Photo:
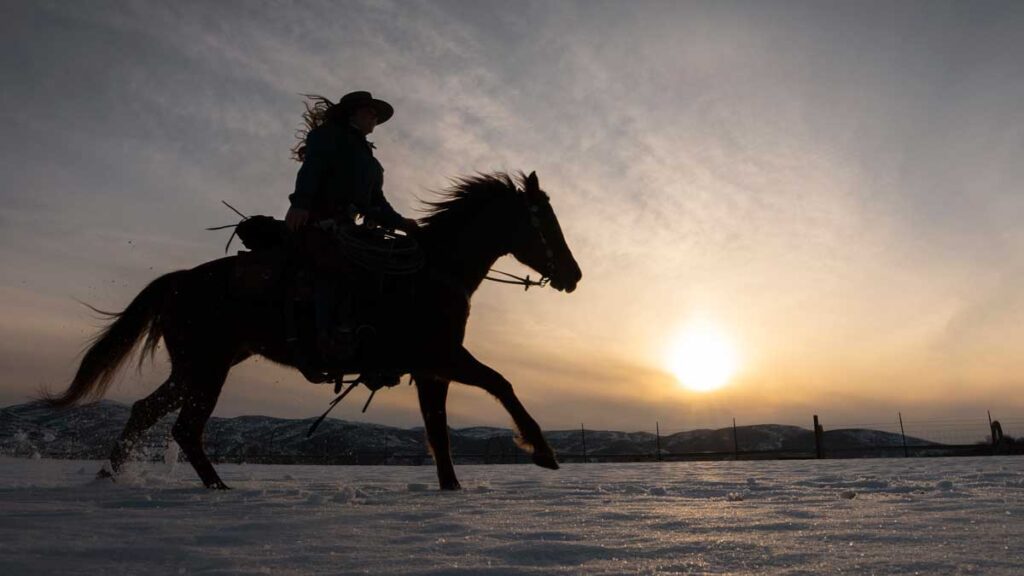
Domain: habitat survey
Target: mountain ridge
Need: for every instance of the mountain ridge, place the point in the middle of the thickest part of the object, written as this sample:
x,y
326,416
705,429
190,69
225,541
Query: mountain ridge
x,y
88,432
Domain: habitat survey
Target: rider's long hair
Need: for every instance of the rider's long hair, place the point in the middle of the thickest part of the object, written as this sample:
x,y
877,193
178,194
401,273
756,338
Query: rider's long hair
x,y
319,111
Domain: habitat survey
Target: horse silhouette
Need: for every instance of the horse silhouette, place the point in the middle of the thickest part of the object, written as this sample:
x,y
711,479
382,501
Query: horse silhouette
x,y
207,328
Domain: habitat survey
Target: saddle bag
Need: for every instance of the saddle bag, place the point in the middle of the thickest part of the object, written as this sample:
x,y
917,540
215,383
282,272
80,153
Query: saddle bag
x,y
260,233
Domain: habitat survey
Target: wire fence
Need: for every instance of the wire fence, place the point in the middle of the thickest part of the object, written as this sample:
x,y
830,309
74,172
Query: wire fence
x,y
898,437
276,441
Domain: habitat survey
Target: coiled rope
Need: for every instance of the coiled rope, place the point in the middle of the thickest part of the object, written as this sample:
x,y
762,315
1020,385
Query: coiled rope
x,y
377,249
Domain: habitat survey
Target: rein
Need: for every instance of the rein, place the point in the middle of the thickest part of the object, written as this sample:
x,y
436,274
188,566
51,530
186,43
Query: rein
x,y
526,282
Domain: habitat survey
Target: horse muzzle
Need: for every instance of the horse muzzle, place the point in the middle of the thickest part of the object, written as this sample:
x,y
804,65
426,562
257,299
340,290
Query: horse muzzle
x,y
566,282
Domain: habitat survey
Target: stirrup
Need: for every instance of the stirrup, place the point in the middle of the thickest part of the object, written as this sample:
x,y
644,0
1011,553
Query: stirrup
x,y
313,368
378,379
312,372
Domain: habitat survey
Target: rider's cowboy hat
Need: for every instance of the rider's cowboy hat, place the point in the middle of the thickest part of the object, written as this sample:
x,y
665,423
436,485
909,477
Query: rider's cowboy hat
x,y
353,101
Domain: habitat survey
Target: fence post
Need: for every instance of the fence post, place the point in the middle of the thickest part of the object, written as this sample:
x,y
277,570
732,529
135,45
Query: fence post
x,y
735,441
819,433
906,453
657,439
271,456
997,432
992,429
583,435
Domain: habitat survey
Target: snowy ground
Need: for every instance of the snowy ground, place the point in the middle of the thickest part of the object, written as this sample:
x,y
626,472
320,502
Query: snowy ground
x,y
927,516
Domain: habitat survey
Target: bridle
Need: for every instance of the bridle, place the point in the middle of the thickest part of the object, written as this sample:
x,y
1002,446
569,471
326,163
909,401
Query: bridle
x,y
527,282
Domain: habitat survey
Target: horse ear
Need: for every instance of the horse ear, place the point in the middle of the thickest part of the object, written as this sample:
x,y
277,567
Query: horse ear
x,y
531,182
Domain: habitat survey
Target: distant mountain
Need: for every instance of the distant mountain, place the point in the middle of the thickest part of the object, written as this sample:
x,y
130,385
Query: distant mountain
x,y
88,432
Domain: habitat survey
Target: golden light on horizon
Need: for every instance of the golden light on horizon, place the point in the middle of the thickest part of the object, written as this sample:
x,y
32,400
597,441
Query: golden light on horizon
x,y
702,358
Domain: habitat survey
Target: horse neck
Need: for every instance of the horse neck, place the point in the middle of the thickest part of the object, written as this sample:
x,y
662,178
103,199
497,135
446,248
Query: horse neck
x,y
465,256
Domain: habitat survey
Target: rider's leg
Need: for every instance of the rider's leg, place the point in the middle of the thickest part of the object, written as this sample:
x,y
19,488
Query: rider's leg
x,y
332,300
323,300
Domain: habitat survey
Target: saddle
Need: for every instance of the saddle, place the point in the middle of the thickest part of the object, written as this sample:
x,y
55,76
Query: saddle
x,y
280,268
278,262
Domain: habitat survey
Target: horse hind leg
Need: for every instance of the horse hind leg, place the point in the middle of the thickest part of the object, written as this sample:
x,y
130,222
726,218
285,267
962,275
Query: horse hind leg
x,y
145,413
197,406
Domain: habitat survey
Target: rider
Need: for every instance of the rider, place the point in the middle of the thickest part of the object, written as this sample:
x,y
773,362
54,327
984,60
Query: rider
x,y
339,180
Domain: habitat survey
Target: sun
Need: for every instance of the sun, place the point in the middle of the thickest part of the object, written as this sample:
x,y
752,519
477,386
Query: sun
x,y
702,358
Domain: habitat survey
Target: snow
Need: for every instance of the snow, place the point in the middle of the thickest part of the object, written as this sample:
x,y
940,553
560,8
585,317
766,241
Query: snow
x,y
884,516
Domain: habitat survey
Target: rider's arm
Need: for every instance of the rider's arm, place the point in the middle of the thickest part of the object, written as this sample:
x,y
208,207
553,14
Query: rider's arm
x,y
380,211
363,179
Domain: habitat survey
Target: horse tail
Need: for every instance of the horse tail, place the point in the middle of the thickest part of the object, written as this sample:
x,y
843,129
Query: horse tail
x,y
110,348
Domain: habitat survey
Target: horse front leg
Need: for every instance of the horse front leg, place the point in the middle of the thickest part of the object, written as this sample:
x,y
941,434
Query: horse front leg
x,y
468,370
433,393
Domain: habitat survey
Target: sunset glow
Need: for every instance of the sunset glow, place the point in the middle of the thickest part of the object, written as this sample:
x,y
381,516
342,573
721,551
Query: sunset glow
x,y
702,358
815,207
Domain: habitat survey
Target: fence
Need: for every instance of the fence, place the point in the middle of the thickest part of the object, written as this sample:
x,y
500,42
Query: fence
x,y
897,437
274,441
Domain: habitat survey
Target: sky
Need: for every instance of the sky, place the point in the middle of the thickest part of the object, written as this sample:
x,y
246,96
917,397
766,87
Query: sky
x,y
833,186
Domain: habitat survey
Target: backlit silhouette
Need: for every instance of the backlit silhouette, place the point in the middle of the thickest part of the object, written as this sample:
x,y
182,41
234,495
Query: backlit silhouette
x,y
209,323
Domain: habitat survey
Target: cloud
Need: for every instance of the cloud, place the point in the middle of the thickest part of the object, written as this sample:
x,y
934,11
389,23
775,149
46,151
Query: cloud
x,y
829,183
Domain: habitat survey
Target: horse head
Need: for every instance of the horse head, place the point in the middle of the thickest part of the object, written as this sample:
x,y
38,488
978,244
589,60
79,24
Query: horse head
x,y
538,241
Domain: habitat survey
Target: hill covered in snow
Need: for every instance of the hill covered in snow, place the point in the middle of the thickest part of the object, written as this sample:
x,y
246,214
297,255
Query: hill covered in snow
x,y
88,432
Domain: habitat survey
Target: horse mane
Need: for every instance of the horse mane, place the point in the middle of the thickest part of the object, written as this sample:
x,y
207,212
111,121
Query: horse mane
x,y
466,196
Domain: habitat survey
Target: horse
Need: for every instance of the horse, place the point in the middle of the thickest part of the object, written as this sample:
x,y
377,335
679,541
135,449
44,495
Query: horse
x,y
207,327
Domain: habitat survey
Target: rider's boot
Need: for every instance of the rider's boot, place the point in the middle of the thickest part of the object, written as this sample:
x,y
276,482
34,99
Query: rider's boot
x,y
380,377
308,362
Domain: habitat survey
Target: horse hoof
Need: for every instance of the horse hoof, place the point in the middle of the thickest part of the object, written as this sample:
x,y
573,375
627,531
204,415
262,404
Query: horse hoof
x,y
218,485
545,460
105,474
453,485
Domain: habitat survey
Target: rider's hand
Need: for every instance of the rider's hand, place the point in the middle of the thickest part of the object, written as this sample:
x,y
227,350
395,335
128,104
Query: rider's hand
x,y
409,226
296,218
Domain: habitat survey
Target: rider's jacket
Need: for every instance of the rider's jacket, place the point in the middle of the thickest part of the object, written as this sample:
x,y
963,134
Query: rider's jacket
x,y
339,176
